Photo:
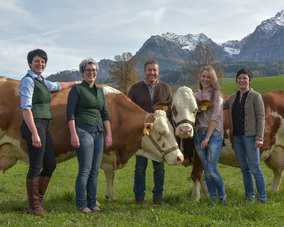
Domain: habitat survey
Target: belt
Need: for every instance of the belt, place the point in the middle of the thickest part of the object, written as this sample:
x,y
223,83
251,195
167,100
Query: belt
x,y
40,120
202,128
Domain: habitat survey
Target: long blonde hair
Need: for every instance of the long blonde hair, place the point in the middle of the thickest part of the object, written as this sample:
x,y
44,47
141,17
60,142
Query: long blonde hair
x,y
214,81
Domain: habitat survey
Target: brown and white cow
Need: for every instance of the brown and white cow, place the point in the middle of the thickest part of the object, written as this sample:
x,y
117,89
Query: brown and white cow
x,y
184,107
272,151
130,125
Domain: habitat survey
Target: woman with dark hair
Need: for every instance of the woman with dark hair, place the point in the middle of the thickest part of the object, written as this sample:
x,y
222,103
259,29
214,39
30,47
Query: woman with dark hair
x,y
35,105
87,117
209,136
247,121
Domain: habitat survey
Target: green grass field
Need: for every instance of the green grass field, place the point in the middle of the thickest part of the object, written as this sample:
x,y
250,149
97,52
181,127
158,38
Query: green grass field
x,y
179,211
261,85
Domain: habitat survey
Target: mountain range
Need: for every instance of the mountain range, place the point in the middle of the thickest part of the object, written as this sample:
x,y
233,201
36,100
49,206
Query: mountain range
x,y
266,43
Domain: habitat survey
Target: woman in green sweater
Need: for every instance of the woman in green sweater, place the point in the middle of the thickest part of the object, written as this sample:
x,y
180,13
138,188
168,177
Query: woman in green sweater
x,y
87,117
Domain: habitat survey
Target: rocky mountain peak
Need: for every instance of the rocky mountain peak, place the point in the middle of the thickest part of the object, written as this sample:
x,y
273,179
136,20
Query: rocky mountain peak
x,y
270,26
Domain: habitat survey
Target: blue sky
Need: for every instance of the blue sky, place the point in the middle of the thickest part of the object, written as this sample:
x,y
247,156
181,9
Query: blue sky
x,y
71,30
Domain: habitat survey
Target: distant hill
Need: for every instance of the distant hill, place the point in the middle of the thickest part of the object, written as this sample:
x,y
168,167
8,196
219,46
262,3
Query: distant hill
x,y
71,75
66,75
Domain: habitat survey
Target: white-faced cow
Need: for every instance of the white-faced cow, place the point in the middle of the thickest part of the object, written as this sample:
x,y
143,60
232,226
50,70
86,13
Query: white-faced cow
x,y
272,151
184,107
130,125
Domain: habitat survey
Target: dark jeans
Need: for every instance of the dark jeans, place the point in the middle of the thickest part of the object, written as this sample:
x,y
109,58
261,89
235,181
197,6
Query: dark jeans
x,y
42,157
140,178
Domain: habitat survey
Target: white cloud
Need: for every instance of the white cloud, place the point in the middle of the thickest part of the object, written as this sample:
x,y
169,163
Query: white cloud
x,y
70,30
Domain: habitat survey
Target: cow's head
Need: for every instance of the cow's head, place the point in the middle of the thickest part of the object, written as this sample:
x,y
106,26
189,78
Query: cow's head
x,y
159,143
184,107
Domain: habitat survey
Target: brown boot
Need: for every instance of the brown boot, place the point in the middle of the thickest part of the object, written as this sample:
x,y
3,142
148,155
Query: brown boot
x,y
159,201
43,183
33,190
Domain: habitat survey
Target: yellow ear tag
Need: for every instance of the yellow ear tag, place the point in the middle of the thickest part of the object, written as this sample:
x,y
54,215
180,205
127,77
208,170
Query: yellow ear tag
x,y
165,108
147,131
203,108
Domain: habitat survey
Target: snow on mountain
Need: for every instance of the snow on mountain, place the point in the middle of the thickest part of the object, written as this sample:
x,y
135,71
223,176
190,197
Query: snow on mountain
x,y
232,47
232,51
265,43
270,26
187,42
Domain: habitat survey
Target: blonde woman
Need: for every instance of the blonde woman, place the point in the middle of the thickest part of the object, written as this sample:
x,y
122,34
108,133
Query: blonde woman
x,y
209,136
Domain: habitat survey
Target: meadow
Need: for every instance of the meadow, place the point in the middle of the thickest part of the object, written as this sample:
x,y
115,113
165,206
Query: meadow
x,y
261,84
179,211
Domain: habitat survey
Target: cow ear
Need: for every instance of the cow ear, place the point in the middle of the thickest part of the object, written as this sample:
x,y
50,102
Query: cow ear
x,y
147,128
162,105
204,105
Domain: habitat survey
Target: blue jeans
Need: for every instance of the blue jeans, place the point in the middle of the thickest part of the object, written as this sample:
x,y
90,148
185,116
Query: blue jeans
x,y
213,178
89,156
249,160
140,178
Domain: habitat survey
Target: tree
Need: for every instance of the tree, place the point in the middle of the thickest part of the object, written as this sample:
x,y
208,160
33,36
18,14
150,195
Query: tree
x,y
203,55
124,72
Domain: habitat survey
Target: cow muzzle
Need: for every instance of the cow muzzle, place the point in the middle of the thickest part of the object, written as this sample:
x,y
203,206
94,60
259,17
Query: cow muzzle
x,y
165,152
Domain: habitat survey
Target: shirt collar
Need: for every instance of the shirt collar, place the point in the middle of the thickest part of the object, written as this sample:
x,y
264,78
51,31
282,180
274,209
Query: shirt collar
x,y
33,75
238,92
149,85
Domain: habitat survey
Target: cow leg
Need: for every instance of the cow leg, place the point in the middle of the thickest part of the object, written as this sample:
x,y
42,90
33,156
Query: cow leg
x,y
204,187
277,178
197,177
196,188
8,157
110,195
109,165
276,163
196,191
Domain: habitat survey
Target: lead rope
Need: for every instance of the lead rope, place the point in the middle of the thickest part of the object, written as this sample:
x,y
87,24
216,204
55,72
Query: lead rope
x,y
163,152
208,146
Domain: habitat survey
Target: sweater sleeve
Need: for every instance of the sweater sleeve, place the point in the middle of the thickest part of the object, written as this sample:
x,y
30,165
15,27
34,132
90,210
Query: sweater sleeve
x,y
260,117
104,111
72,102
131,94
218,108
